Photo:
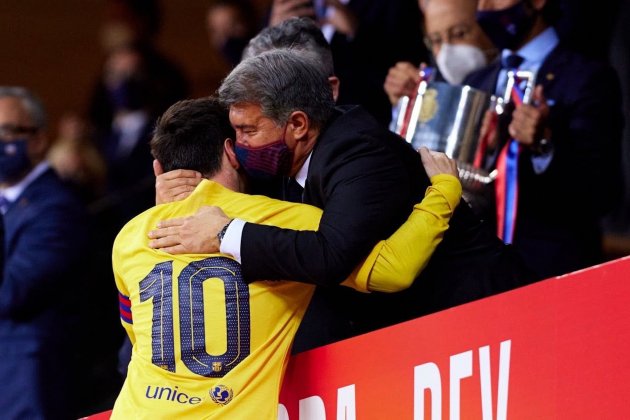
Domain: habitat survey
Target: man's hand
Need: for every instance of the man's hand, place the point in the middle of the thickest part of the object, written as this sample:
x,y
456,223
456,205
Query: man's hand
x,y
488,132
190,235
436,163
174,185
401,81
529,122
282,10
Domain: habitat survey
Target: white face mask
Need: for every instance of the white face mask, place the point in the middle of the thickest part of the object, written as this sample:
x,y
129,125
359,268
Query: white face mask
x,y
456,61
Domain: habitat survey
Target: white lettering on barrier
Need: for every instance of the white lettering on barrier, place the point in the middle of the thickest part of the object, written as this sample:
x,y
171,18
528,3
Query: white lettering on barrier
x,y
427,377
486,382
283,413
461,367
312,408
346,409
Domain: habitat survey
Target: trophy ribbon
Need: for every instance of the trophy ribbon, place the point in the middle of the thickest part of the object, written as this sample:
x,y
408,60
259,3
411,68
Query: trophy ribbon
x,y
506,184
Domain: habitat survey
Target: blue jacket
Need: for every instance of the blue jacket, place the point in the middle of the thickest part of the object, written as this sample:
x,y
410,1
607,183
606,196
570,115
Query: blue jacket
x,y
44,243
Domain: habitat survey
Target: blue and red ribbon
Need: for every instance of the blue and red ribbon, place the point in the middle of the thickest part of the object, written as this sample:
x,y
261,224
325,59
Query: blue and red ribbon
x,y
506,185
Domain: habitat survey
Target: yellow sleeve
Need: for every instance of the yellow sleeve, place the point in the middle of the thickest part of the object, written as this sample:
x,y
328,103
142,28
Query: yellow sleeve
x,y
394,263
122,287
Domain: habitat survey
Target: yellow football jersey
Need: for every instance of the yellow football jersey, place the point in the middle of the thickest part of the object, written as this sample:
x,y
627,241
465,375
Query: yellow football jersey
x,y
205,344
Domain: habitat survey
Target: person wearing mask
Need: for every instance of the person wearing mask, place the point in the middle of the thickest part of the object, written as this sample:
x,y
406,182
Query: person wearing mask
x,y
365,180
457,43
254,324
561,147
44,246
304,35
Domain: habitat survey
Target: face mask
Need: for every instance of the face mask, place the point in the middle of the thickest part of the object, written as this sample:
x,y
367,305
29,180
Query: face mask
x,y
14,160
456,61
507,28
266,162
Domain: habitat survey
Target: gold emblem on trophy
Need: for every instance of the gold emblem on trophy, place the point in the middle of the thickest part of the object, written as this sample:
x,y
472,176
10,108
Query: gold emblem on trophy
x,y
429,106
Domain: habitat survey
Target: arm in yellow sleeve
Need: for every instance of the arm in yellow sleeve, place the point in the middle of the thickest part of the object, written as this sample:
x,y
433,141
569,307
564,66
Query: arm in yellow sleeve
x,y
120,285
394,263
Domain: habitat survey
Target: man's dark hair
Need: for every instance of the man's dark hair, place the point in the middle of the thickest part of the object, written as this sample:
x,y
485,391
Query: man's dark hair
x,y
191,134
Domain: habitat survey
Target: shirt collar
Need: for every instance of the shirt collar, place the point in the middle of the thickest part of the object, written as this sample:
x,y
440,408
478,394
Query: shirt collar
x,y
536,50
13,192
130,121
300,177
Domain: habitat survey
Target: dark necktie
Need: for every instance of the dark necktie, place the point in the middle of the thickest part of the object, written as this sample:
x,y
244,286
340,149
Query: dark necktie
x,y
293,191
512,61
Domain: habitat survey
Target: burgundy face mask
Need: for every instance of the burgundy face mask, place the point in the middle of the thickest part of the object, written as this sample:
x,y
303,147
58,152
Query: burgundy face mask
x,y
266,162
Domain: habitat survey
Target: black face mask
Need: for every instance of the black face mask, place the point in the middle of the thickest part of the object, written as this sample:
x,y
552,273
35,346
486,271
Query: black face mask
x,y
14,160
507,28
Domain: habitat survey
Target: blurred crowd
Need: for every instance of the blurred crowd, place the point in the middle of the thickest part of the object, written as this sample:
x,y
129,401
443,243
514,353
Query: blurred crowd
x,y
573,204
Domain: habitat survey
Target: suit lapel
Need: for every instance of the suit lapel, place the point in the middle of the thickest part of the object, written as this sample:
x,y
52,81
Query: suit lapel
x,y
547,73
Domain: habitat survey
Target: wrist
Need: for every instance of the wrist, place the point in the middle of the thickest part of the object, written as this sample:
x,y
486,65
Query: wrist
x,y
221,233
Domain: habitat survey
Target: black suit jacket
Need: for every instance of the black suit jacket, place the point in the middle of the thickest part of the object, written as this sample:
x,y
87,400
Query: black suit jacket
x,y
555,233
366,190
367,179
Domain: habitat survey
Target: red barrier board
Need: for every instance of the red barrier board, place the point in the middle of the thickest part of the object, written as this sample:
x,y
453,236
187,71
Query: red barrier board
x,y
557,349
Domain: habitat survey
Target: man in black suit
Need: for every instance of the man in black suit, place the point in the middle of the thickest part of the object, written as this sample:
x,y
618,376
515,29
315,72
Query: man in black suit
x,y
569,136
364,177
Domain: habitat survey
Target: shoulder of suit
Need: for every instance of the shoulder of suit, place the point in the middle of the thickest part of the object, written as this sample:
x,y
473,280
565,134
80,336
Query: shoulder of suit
x,y
49,187
574,69
348,143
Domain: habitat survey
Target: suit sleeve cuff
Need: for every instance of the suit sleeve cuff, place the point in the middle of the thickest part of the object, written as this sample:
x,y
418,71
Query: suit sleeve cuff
x,y
231,243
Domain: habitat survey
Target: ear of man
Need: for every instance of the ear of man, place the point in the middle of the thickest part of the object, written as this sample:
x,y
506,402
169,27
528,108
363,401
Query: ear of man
x,y
157,168
229,154
334,84
298,125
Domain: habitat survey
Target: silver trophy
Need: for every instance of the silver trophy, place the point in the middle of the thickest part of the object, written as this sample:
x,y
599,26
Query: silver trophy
x,y
447,118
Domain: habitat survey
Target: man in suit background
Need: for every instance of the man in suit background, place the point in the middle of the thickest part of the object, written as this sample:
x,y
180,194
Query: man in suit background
x,y
366,37
44,238
457,43
364,177
569,136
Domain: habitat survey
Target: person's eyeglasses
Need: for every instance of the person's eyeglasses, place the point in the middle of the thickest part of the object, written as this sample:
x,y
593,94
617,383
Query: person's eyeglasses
x,y
452,35
8,131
